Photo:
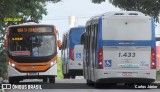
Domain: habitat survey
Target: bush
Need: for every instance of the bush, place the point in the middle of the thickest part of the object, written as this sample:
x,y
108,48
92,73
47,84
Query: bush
x,y
158,74
59,69
3,66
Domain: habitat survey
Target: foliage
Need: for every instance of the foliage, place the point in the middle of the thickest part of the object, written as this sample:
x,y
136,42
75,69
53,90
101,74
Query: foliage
x,y
27,10
158,74
59,69
149,7
98,1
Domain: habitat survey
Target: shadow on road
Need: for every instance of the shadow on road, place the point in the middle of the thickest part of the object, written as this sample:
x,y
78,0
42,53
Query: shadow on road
x,y
85,86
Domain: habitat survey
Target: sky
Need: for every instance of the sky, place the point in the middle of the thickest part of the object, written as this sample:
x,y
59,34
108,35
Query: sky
x,y
58,13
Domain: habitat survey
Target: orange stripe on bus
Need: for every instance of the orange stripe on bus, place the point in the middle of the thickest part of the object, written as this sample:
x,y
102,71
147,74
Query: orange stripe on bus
x,y
33,66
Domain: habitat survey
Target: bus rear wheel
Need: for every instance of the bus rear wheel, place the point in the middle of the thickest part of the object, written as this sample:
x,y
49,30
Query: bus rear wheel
x,y
73,77
52,79
13,80
66,76
45,80
89,83
98,85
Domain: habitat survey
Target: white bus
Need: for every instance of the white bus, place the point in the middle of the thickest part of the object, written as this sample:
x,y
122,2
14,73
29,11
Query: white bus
x,y
72,53
158,52
119,47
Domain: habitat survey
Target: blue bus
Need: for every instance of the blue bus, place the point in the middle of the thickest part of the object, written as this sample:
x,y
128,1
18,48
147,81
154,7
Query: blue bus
x,y
72,52
119,47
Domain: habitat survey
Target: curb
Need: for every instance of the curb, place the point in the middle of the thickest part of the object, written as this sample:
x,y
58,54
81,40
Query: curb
x,y
157,80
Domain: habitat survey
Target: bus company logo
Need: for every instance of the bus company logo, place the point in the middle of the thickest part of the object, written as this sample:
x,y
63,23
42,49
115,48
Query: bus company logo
x,y
143,64
78,55
6,86
108,63
126,60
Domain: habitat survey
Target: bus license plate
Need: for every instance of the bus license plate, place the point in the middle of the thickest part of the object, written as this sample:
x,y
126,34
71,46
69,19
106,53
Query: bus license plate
x,y
126,73
33,74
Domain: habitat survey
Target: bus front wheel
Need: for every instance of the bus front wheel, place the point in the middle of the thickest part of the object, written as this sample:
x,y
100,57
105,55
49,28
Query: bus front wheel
x,y
45,80
13,80
66,76
90,83
52,79
73,77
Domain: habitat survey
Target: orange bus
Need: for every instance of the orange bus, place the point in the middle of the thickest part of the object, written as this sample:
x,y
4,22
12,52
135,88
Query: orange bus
x,y
158,51
32,52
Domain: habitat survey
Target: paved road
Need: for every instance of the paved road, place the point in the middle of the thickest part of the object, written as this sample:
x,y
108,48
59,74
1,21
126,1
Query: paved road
x,y
77,85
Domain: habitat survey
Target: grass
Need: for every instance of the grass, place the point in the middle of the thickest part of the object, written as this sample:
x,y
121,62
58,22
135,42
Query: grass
x,y
158,74
59,69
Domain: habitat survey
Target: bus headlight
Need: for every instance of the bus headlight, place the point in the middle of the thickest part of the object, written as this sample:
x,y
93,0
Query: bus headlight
x,y
13,65
53,63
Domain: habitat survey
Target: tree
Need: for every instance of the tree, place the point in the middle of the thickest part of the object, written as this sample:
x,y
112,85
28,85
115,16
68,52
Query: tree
x,y
149,7
27,10
98,1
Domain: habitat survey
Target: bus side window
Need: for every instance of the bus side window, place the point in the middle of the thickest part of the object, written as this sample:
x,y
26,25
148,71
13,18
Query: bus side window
x,y
85,41
62,47
89,34
63,44
92,38
96,36
88,43
67,43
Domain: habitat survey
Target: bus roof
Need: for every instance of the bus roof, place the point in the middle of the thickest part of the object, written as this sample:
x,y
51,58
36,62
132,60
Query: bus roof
x,y
75,35
113,13
94,19
75,28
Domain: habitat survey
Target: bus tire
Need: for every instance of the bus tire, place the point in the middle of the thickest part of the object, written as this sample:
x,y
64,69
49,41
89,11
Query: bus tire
x,y
66,76
73,77
45,80
52,79
16,80
89,83
11,80
97,85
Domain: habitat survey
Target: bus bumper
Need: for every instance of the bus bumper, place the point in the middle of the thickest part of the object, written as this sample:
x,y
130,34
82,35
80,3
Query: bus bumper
x,y
12,72
120,76
75,65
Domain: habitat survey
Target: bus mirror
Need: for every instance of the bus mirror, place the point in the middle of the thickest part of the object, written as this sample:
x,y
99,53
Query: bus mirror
x,y
5,43
59,44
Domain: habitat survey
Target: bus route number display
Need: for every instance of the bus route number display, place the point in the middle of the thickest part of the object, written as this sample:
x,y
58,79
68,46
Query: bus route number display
x,y
33,29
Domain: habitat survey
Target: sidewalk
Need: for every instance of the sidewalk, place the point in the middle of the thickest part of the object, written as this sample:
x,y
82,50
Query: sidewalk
x,y
158,79
157,82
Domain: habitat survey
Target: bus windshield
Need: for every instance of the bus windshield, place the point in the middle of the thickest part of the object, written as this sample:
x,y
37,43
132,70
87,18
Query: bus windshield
x,y
32,45
75,35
